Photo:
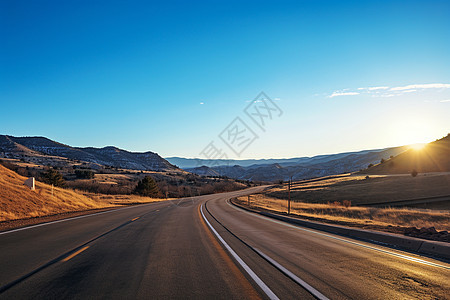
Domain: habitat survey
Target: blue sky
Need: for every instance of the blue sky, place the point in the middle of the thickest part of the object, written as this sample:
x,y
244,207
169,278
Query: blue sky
x,y
169,76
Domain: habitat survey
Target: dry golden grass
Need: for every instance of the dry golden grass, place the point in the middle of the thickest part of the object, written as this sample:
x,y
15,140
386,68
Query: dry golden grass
x,y
18,201
360,190
356,216
123,199
328,182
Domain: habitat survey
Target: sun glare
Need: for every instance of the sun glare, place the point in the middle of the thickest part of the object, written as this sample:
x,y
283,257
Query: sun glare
x,y
417,147
413,130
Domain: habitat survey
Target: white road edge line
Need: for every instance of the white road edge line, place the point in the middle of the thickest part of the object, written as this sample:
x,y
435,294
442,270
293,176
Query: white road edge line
x,y
64,220
298,227
291,275
250,272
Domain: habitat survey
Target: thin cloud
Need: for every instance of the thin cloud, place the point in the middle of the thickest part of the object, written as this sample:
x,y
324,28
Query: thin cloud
x,y
443,101
375,88
201,103
386,91
422,86
338,94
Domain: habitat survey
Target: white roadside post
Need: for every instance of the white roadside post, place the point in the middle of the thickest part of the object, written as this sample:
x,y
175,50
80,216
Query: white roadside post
x,y
30,183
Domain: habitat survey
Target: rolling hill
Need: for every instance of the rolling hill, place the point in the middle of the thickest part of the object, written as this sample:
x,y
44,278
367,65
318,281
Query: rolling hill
x,y
434,157
34,147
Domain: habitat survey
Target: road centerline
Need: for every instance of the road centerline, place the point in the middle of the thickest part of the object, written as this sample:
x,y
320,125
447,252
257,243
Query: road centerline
x,y
74,254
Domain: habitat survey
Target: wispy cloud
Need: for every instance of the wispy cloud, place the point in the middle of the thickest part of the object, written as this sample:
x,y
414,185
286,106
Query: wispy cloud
x,y
375,88
337,94
422,86
443,101
386,91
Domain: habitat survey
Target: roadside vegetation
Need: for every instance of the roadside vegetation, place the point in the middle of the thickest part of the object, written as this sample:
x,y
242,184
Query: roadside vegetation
x,y
364,217
109,180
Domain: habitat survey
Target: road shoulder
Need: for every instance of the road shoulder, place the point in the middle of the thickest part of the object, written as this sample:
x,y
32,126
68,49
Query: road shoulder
x,y
439,250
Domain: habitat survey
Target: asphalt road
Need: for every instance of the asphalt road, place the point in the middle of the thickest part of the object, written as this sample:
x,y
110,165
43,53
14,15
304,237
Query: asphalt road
x,y
204,248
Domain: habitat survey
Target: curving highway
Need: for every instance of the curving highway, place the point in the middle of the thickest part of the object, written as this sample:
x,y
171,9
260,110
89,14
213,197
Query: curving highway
x,y
204,247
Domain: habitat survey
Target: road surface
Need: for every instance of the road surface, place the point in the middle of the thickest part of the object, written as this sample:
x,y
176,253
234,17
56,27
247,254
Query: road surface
x,y
205,248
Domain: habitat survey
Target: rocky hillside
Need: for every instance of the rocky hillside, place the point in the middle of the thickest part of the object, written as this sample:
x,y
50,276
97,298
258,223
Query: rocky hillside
x,y
19,147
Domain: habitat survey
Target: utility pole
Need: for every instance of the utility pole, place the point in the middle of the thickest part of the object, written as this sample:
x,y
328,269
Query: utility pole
x,y
289,195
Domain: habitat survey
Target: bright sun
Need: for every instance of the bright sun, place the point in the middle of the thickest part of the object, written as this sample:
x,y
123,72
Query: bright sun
x,y
417,147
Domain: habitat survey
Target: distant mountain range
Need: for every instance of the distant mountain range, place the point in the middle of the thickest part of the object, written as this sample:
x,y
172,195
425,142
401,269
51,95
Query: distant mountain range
x,y
435,157
187,163
283,169
17,147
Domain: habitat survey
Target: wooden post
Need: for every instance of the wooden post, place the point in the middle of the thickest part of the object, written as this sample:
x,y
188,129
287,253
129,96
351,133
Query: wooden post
x,y
289,195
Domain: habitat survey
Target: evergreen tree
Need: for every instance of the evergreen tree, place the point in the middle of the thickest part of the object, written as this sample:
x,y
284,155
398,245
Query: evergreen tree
x,y
147,187
51,176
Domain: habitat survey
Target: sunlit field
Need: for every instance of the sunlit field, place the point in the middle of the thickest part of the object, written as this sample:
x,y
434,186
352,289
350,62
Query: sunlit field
x,y
364,217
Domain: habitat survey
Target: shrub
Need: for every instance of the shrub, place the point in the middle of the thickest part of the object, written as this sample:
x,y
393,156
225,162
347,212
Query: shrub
x,y
414,173
370,166
347,203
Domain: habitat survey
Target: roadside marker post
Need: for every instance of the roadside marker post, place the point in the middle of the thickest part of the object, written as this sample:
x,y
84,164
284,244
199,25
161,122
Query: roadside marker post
x,y
30,182
289,195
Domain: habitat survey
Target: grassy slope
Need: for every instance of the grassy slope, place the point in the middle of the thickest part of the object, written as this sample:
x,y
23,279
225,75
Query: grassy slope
x,y
359,190
18,201
434,157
